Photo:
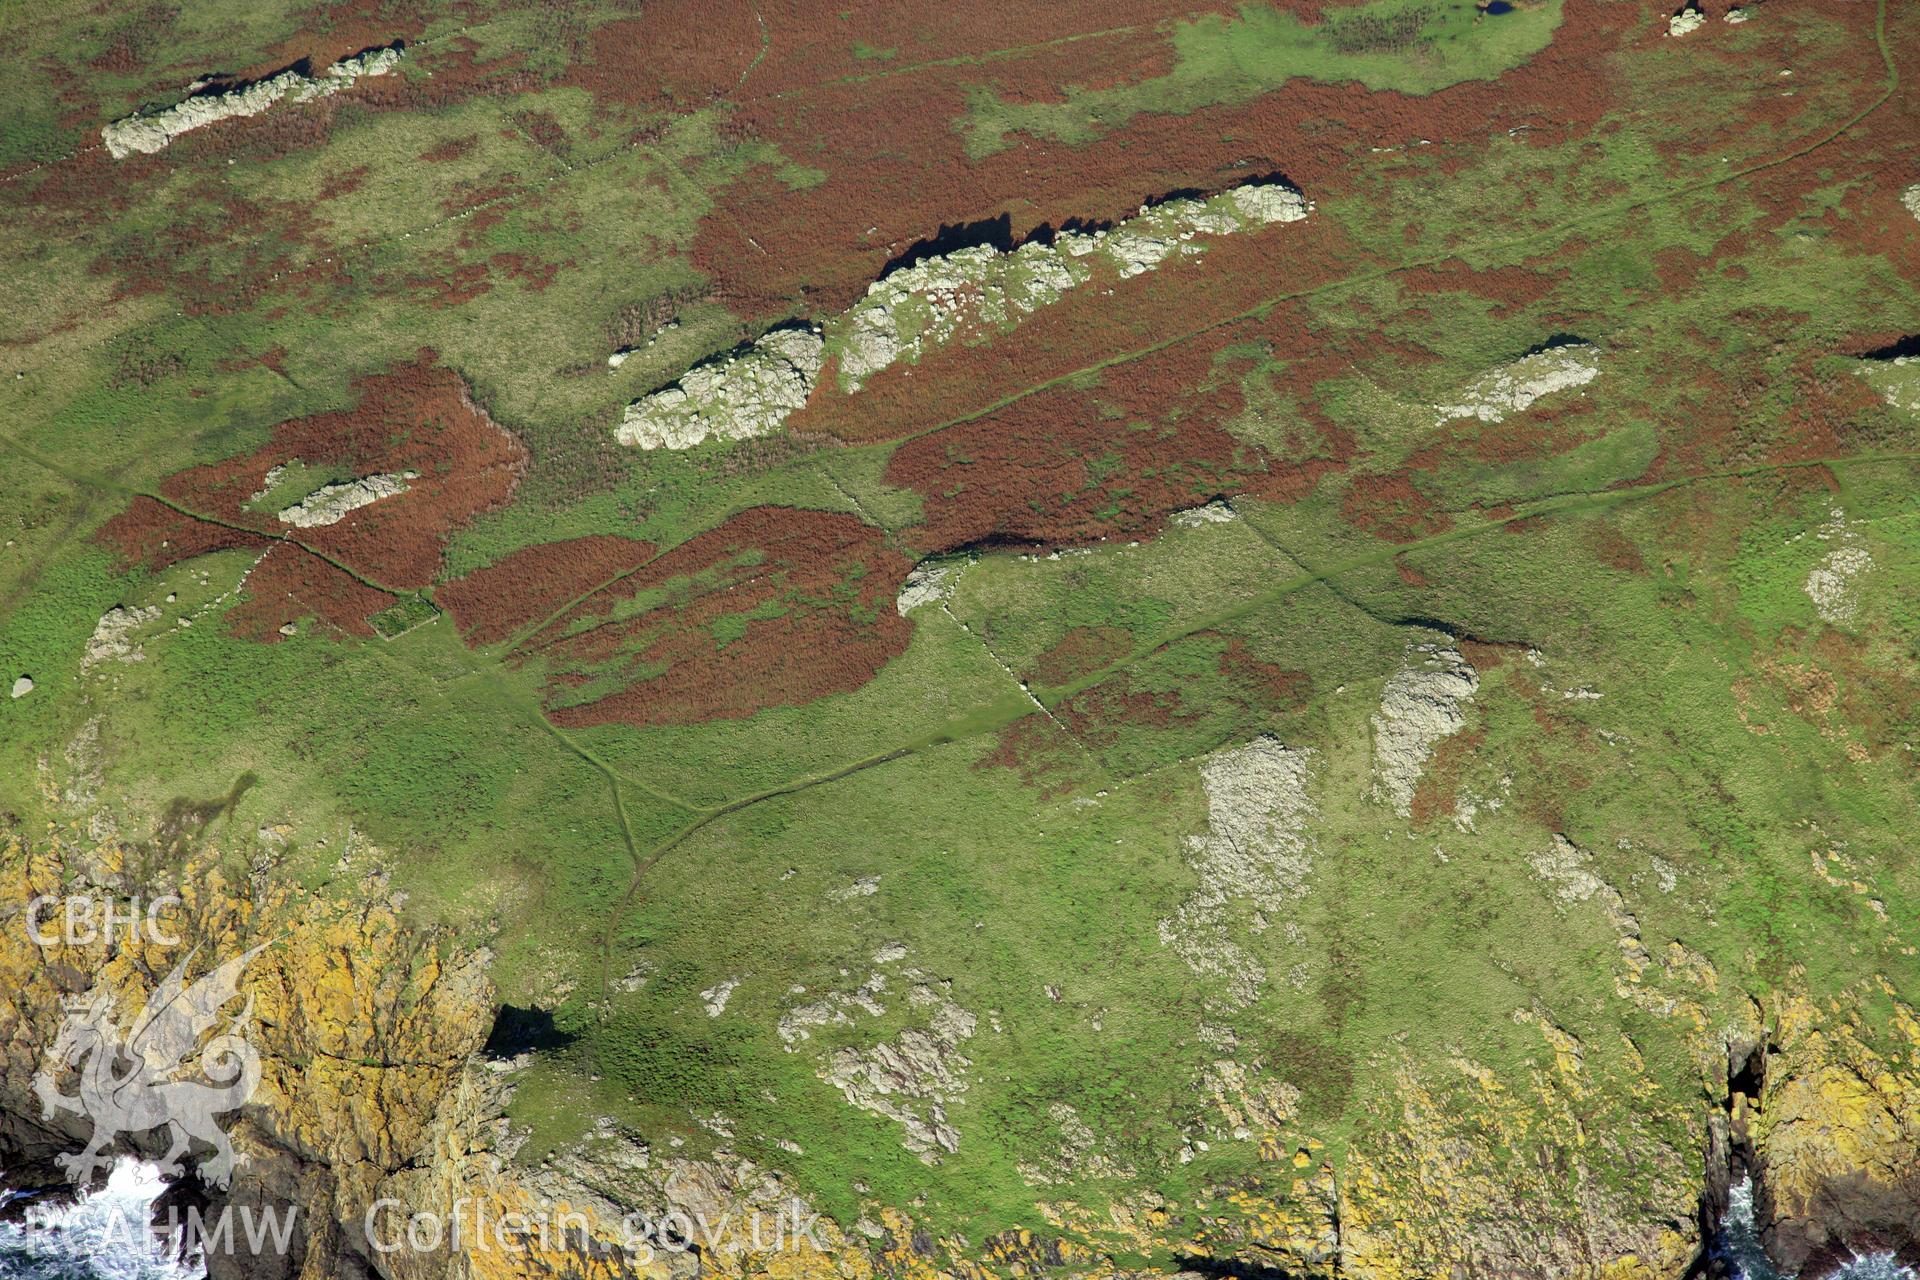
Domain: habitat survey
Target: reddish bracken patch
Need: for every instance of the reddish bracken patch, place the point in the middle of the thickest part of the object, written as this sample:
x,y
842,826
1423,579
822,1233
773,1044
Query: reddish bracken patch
x,y
1263,684
680,53
775,607
1391,507
527,585
417,418
894,175
1437,794
1082,651
1076,464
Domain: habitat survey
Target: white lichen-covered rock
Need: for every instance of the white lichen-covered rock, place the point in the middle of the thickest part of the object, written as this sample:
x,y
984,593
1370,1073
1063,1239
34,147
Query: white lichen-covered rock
x,y
1833,586
1514,387
738,397
1911,199
1082,1154
912,1078
270,480
22,686
1685,22
1896,380
714,999
928,583
112,638
1568,871
1735,17
1215,512
1253,858
981,290
332,503
148,134
1419,706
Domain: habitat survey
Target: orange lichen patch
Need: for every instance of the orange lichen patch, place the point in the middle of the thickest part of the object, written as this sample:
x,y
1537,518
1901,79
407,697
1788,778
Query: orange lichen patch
x,y
1391,507
1082,651
775,607
490,604
417,418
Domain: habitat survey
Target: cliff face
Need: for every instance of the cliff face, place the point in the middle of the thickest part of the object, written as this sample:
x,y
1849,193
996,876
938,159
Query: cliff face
x,y
364,1029
1838,1131
372,1107
374,1104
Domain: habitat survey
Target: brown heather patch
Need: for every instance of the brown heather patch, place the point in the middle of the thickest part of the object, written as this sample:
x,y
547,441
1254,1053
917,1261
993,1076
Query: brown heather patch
x,y
343,182
681,54
775,607
1099,715
290,583
452,149
416,417
1082,651
1074,464
1614,549
1266,685
1392,508
1040,751
1487,655
490,604
1438,793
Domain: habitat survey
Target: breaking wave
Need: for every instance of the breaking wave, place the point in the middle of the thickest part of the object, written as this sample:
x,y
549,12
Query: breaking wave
x,y
1740,1246
103,1235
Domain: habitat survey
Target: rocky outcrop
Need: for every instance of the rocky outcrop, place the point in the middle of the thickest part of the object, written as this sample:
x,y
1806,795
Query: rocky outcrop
x,y
1215,512
1252,860
982,290
1833,585
1514,387
913,1078
930,582
148,134
1837,1133
969,293
330,504
112,638
1419,706
737,397
1897,380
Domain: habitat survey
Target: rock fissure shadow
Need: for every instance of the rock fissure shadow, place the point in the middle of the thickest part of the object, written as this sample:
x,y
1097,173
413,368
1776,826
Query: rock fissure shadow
x,y
1898,349
529,1030
222,83
997,232
1230,1268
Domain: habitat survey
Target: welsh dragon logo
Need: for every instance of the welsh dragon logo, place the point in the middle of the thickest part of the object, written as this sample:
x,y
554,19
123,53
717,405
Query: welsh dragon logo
x,y
141,1081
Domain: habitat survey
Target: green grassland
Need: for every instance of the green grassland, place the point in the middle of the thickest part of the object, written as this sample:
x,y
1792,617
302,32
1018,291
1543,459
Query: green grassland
x,y
1414,46
621,872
